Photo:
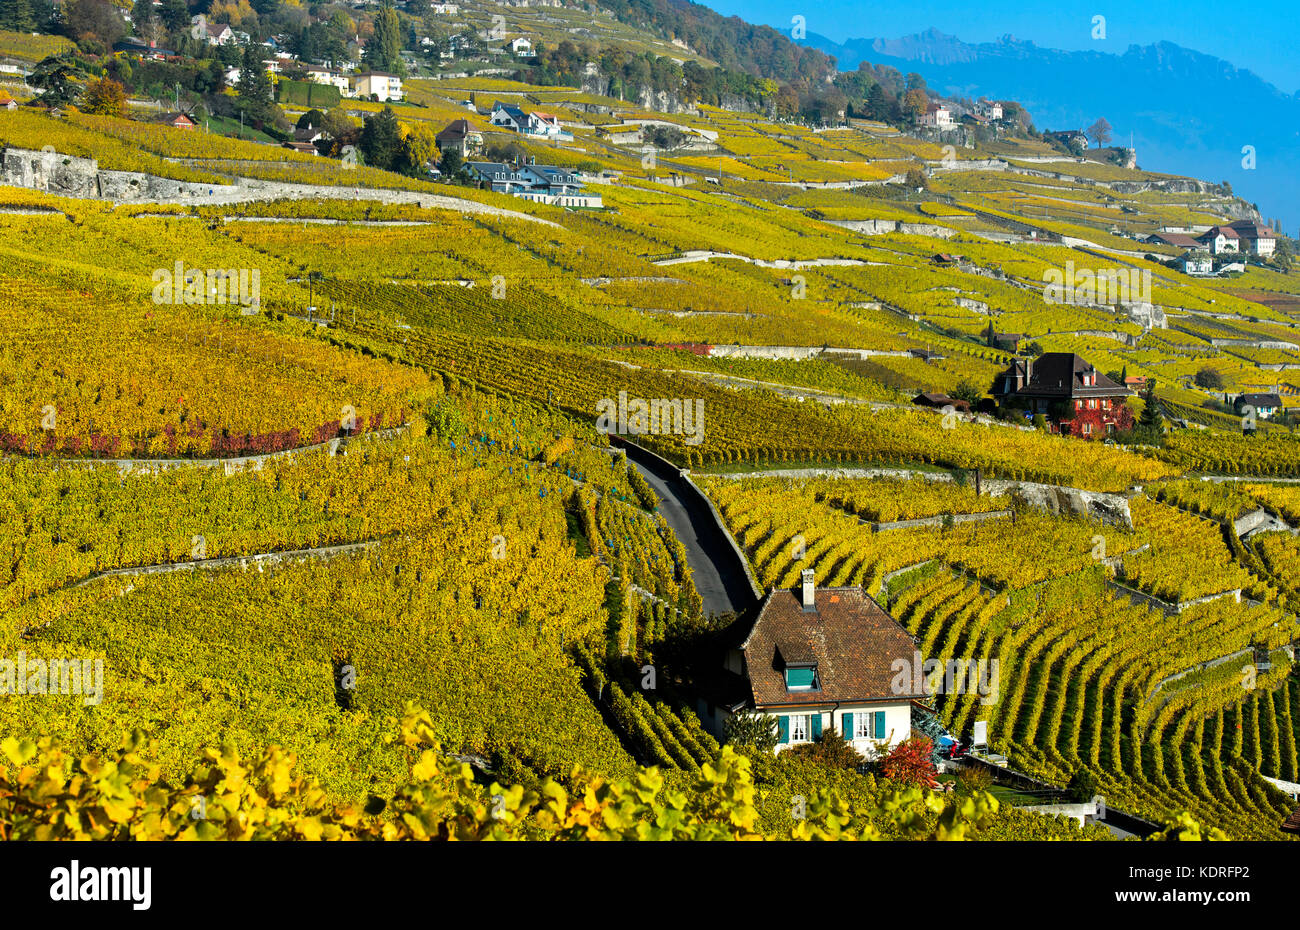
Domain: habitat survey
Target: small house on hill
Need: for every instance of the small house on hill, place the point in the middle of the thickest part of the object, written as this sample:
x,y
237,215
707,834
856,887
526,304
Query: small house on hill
x,y
462,137
1265,405
1069,390
177,120
819,660
939,401
1196,262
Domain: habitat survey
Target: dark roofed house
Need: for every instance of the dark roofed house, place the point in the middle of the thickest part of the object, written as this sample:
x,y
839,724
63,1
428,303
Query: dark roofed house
x,y
939,401
462,137
1265,404
1068,136
820,659
1078,398
1179,240
1007,342
499,176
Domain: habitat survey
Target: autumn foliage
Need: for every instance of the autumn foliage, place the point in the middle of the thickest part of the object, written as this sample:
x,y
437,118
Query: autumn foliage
x,y
910,763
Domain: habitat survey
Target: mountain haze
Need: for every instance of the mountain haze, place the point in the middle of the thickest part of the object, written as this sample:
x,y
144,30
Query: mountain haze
x,y
1188,112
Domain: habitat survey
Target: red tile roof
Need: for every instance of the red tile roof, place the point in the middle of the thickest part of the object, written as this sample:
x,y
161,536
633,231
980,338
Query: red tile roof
x,y
852,640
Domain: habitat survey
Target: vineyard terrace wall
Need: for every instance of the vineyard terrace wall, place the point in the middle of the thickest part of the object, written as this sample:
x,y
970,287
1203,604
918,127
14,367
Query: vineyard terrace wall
x,y
71,176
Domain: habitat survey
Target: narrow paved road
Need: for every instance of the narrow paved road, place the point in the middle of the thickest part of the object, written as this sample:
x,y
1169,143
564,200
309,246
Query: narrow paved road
x,y
719,571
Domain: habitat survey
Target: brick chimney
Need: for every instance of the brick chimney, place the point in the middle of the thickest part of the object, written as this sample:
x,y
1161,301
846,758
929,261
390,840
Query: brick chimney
x,y
809,590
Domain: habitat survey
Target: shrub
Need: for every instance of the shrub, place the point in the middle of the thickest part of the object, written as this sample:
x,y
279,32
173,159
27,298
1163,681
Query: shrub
x,y
753,731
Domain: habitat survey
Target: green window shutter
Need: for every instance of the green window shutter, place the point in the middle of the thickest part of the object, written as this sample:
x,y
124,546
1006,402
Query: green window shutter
x,y
783,728
816,725
880,725
847,728
798,678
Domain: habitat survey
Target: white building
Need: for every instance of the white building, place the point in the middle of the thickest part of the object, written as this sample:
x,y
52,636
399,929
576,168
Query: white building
x,y
212,33
521,47
380,85
536,123
821,660
989,109
1196,263
936,115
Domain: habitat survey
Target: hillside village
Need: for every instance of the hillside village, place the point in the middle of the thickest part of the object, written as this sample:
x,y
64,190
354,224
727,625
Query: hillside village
x,y
991,487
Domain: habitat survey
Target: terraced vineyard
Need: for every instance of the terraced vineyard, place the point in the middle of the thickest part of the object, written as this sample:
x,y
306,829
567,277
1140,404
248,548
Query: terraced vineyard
x,y
287,442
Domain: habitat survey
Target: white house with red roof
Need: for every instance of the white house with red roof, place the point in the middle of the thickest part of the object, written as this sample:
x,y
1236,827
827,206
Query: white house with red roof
x,y
1241,236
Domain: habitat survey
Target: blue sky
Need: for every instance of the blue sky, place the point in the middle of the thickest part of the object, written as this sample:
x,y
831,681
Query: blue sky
x,y
1259,35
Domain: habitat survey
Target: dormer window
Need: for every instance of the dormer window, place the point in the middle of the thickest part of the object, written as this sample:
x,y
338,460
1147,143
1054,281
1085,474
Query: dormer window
x,y
801,678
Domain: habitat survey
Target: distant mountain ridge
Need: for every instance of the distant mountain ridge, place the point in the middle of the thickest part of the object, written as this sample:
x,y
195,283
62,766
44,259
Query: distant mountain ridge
x,y
1189,112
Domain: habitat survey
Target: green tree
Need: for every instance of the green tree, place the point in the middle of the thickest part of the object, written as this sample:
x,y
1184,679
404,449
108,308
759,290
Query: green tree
x,y
93,22
381,140
16,15
1208,379
254,91
384,50
967,392
755,731
148,24
452,165
175,15
57,77
1151,424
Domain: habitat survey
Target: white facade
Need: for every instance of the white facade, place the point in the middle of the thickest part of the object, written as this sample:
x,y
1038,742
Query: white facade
x,y
939,117
802,724
1221,243
870,725
383,87
521,46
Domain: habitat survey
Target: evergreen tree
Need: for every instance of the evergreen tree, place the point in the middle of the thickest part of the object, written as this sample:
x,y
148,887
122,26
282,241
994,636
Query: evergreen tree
x,y
255,91
175,14
1151,425
384,50
381,140
16,15
147,23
